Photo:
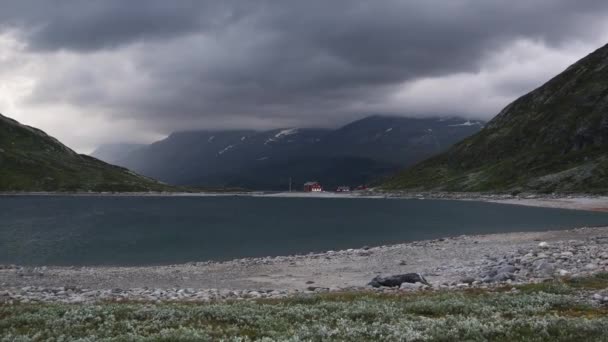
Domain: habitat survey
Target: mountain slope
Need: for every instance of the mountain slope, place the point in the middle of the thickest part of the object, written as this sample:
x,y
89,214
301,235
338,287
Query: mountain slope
x,y
351,155
30,160
397,140
554,139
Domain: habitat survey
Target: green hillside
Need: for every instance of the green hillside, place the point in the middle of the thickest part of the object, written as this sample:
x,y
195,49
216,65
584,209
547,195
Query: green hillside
x,y
554,139
30,160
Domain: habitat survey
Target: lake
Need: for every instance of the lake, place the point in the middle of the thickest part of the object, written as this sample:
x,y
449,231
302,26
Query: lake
x,y
121,230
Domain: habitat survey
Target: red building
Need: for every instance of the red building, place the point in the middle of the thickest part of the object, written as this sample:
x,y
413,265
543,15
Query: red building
x,y
313,187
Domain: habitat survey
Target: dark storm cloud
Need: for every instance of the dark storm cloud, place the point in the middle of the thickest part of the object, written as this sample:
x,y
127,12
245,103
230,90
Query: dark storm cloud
x,y
94,25
315,61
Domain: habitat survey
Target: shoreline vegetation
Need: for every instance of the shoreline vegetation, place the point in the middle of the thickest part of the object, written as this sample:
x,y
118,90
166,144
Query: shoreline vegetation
x,y
552,311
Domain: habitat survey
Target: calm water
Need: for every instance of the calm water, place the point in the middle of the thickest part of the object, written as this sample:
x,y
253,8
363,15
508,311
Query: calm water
x,y
161,230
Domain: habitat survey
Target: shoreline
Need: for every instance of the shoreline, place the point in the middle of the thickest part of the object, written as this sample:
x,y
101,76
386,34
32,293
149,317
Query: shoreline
x,y
467,261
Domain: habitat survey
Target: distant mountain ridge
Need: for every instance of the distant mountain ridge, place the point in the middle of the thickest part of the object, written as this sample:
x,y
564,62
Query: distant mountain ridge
x,y
554,139
30,160
351,155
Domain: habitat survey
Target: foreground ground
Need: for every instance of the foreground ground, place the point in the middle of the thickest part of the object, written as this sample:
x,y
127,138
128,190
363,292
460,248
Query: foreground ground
x,y
559,310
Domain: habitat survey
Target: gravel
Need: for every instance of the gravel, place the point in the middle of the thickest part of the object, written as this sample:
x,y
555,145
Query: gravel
x,y
452,263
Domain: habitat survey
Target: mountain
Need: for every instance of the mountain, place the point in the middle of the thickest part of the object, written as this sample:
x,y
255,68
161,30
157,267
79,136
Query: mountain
x,y
351,155
397,140
30,160
554,139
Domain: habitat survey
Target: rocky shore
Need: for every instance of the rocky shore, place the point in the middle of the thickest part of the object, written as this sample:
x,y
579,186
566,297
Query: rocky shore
x,y
484,261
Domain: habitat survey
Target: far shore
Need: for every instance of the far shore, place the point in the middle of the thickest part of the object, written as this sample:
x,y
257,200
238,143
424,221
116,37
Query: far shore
x,y
587,202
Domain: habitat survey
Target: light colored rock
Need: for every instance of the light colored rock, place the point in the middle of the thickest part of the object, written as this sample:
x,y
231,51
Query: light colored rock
x,y
543,245
410,286
545,268
590,267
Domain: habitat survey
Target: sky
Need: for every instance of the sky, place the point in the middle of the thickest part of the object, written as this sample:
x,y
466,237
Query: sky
x,y
96,72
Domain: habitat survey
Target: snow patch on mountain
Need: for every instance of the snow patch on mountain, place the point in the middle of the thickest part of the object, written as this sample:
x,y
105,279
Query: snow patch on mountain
x,y
226,149
286,132
467,123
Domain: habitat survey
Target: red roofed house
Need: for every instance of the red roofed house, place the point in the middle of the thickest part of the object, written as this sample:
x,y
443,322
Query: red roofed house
x,y
312,187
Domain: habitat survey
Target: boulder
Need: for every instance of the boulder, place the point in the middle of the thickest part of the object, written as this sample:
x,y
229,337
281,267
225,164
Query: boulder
x,y
467,280
507,269
590,267
397,280
500,277
545,268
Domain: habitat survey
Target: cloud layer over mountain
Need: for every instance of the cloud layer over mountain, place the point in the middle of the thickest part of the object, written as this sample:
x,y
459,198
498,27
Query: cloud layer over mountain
x,y
93,72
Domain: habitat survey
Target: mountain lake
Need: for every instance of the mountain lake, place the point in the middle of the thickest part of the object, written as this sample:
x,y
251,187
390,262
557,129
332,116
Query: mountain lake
x,y
156,230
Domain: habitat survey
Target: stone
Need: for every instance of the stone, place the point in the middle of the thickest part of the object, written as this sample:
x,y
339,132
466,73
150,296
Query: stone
x,y
397,280
507,269
410,286
467,280
501,277
545,268
590,267
543,245
254,294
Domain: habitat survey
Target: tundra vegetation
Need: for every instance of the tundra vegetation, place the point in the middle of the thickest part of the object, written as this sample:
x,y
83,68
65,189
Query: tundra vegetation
x,y
560,310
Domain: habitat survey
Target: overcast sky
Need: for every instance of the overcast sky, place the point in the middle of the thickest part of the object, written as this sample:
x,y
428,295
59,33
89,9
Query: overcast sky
x,y
93,72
